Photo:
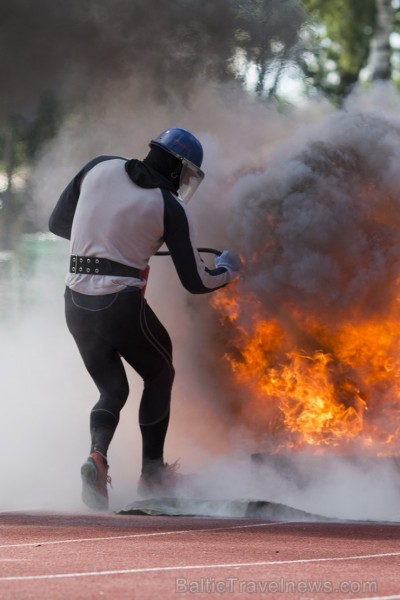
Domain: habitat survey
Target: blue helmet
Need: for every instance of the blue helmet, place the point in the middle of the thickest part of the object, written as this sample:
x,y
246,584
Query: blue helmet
x,y
181,143
186,147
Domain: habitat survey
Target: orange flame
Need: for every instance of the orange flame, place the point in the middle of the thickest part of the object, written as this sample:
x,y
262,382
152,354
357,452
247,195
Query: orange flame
x,y
315,386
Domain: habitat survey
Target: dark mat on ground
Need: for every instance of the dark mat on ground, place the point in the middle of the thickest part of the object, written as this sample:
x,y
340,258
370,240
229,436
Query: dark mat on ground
x,y
247,508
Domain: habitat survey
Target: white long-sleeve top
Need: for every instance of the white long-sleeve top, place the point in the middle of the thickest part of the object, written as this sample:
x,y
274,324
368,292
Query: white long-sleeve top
x,y
112,217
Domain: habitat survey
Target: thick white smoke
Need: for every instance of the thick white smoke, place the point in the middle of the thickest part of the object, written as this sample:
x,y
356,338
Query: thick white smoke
x,y
254,157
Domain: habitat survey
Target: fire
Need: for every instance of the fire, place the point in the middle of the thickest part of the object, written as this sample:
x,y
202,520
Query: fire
x,y
312,385
312,326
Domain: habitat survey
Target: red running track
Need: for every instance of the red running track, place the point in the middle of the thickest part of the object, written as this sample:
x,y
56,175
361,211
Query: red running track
x,y
90,556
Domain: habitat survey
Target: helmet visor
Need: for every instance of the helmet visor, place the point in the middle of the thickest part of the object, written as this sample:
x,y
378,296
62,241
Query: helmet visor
x,y
190,179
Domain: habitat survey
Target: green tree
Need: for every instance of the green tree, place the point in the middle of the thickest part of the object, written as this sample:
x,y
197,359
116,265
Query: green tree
x,y
351,38
340,46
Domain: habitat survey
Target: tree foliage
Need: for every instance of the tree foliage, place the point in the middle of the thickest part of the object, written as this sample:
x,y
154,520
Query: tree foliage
x,y
343,30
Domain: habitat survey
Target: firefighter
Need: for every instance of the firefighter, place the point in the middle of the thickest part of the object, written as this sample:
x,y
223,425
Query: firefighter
x,y
117,213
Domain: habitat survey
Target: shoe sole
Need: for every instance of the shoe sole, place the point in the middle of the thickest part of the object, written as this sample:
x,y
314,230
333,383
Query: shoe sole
x,y
90,495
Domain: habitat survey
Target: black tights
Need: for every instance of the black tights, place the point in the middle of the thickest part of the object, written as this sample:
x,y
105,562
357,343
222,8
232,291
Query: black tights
x,y
106,328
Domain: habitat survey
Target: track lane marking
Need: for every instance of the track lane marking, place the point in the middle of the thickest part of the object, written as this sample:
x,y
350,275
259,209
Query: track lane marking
x,y
396,597
139,535
196,567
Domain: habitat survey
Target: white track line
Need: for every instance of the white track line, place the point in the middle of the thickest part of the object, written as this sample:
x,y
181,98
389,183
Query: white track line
x,y
396,597
195,567
139,535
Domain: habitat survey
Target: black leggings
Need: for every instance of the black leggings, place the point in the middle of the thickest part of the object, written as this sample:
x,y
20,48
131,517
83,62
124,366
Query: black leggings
x,y
106,328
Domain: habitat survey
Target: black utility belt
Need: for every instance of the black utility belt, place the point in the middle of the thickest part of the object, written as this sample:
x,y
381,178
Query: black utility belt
x,y
94,265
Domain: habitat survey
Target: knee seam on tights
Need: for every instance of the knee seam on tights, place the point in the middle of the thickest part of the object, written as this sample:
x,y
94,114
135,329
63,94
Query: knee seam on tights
x,y
105,410
166,413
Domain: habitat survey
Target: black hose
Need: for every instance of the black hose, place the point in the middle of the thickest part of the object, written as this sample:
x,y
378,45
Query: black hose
x,y
207,250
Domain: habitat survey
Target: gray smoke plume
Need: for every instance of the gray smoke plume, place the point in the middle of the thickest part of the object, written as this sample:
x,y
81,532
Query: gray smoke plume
x,y
310,229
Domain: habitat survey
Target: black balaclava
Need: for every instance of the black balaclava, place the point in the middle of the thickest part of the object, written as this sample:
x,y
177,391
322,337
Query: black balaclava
x,y
158,169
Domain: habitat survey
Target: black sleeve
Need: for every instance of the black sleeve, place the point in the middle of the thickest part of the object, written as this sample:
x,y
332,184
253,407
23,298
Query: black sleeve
x,y
185,257
60,222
